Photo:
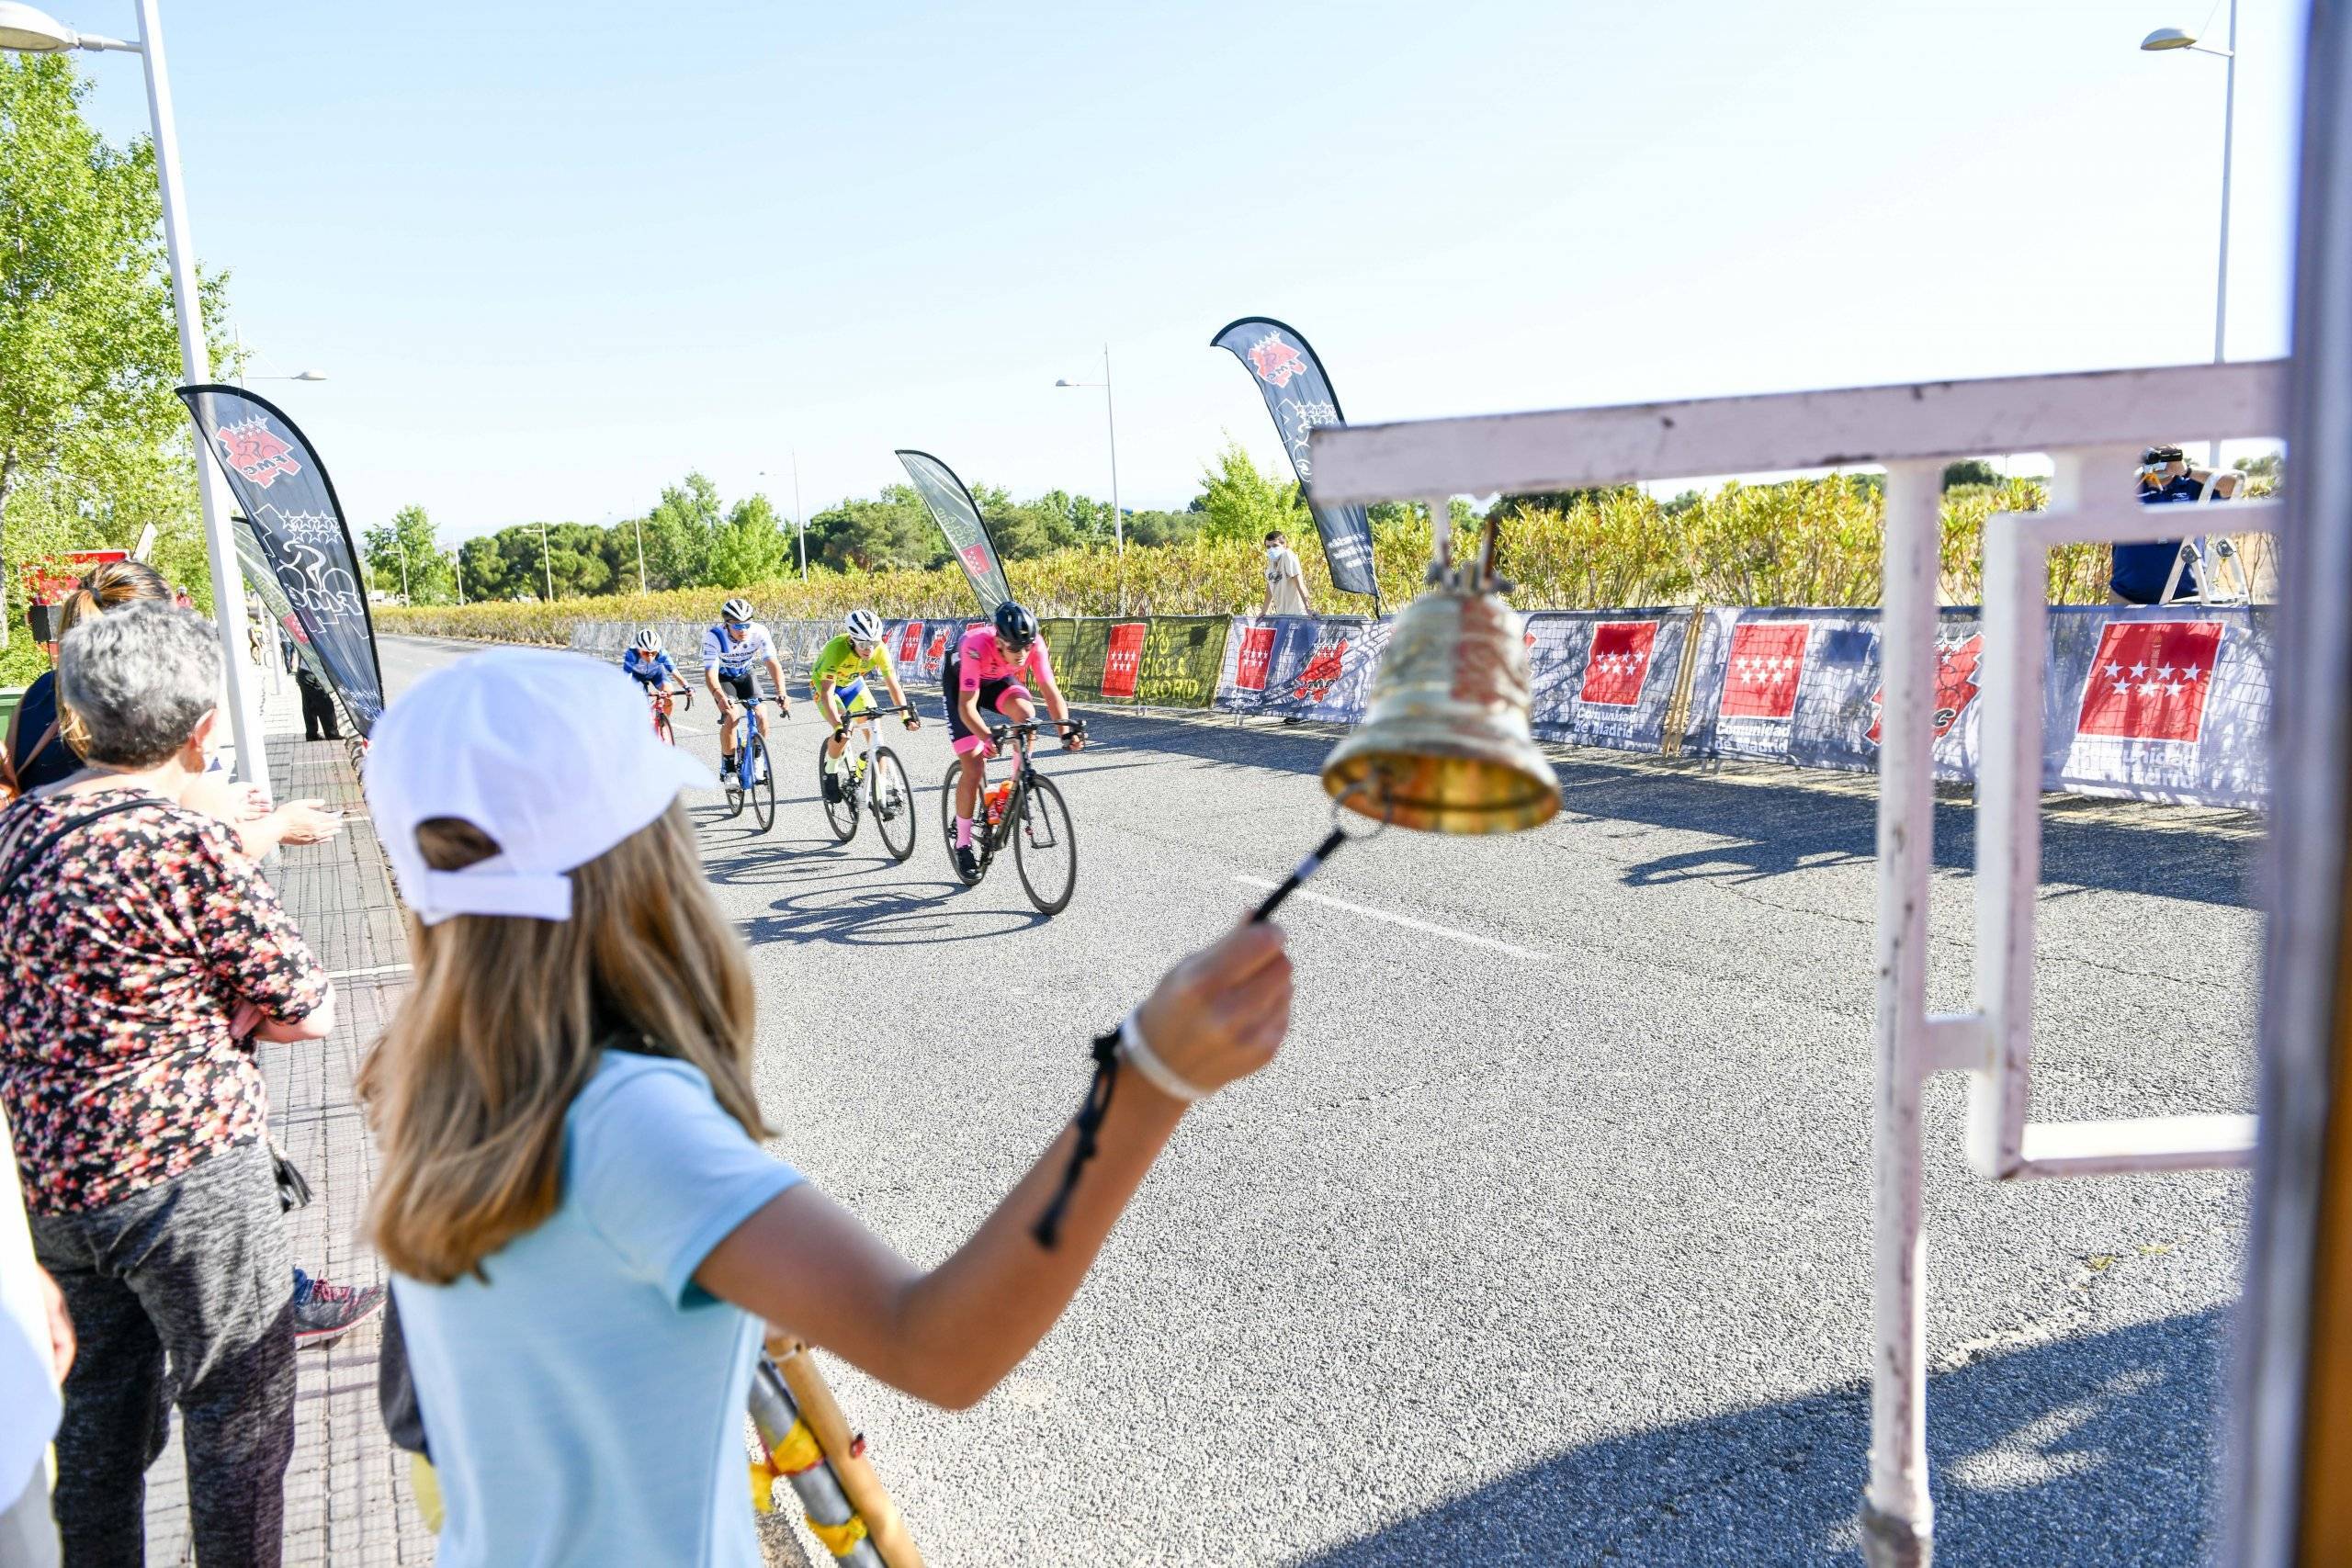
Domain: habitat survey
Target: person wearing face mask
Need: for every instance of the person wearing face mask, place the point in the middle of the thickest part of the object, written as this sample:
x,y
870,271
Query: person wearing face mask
x,y
1285,579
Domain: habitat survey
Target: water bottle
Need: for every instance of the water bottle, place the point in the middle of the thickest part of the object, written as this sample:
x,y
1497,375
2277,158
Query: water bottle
x,y
998,795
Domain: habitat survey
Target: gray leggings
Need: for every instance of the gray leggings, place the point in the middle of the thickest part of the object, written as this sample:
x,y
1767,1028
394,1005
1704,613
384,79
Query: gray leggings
x,y
193,1271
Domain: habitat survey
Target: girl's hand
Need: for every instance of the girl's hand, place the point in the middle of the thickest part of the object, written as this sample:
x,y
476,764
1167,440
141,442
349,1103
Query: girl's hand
x,y
1221,1014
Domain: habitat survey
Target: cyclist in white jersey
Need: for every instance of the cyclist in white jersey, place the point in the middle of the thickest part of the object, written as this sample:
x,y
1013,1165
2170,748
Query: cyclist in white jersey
x,y
729,649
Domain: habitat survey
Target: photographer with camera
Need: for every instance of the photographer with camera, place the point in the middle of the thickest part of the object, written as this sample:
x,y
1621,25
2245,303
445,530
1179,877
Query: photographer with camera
x,y
2143,569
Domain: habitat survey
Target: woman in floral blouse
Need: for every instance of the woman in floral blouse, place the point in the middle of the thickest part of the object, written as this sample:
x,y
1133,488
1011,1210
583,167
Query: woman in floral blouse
x,y
141,956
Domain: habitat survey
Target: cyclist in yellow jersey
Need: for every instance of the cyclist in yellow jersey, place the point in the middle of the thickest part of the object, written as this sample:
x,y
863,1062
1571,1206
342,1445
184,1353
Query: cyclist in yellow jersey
x,y
839,679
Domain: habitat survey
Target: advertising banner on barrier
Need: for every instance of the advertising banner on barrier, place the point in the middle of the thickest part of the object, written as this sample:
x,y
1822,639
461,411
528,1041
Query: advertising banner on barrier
x,y
1123,659
2148,704
1299,667
1606,677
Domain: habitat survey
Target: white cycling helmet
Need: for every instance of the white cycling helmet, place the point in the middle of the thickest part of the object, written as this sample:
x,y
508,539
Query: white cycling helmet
x,y
736,610
864,625
647,641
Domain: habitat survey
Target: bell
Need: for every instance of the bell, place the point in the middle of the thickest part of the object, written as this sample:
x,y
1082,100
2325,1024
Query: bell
x,y
1445,745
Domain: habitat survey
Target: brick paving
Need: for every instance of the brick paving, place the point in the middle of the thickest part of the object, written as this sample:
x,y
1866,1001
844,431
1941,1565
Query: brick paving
x,y
346,1491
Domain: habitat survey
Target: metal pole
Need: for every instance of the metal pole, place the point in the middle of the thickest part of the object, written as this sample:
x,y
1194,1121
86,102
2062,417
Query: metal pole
x,y
457,571
545,564
1898,1515
403,552
1118,523
2222,275
639,524
221,551
799,518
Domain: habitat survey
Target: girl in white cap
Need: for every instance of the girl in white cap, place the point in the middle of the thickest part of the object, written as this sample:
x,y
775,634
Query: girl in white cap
x,y
584,1233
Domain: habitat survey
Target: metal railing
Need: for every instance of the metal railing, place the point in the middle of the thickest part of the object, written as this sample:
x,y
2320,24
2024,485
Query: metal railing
x,y
2094,427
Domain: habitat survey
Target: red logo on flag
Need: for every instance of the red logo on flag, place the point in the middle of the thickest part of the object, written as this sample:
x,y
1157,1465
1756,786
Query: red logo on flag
x,y
1256,656
1275,361
1955,687
1767,658
2149,680
255,451
977,560
909,639
1314,680
938,648
1125,660
1619,663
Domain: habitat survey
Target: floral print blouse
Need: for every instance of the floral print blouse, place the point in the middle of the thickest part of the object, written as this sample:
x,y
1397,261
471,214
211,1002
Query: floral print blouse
x,y
126,948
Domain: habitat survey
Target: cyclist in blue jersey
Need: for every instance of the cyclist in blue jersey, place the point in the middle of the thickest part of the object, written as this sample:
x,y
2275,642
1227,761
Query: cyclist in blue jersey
x,y
644,662
728,652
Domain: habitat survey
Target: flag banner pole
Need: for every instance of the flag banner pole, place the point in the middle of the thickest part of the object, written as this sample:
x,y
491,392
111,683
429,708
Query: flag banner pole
x,y
1299,396
958,515
291,509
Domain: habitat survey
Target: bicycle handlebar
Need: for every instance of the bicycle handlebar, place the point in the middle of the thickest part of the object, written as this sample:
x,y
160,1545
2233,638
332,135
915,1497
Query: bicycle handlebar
x,y
1003,732
841,730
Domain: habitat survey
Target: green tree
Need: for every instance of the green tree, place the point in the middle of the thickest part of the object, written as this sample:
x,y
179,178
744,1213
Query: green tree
x,y
680,533
404,556
1240,502
93,444
893,530
750,548
1971,471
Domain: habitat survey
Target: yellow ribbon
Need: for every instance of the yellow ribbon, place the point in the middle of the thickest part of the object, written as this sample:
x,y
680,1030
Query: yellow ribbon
x,y
797,1451
763,1487
839,1540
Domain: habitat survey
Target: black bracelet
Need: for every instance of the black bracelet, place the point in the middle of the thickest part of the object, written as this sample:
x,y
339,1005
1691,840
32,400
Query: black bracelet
x,y
1089,1122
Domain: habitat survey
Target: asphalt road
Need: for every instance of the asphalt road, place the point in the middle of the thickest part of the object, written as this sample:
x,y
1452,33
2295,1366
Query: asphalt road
x,y
1546,1239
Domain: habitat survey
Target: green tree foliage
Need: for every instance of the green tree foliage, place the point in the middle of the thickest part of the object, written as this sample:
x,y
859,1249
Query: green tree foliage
x,y
893,531
680,533
751,547
1971,471
404,556
93,444
1240,502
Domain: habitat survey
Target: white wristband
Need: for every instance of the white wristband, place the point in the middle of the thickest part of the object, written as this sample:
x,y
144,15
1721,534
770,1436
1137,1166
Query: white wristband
x,y
1163,1077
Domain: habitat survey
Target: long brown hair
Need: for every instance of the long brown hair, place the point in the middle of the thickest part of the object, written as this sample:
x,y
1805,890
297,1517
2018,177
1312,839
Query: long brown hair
x,y
109,585
467,1089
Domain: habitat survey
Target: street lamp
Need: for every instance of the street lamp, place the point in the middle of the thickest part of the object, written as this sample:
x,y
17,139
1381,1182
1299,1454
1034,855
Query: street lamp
x,y
32,31
1118,525
2164,40
799,519
547,563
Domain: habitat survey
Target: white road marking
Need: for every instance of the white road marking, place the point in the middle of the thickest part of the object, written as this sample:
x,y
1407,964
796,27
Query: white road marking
x,y
362,973
1473,938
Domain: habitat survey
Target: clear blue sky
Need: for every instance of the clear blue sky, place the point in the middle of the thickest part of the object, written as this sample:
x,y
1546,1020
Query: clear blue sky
x,y
552,261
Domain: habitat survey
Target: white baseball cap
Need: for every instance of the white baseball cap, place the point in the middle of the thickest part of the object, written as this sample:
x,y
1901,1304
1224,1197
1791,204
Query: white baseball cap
x,y
550,753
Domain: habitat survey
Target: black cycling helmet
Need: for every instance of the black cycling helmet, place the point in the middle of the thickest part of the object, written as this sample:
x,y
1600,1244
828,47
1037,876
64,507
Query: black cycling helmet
x,y
1016,625
2157,456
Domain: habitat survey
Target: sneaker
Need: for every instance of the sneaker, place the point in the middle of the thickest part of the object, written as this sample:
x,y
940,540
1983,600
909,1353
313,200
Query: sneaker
x,y
324,1312
832,788
967,863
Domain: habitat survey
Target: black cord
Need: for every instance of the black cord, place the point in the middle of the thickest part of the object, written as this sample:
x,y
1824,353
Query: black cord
x,y
1089,1122
1299,873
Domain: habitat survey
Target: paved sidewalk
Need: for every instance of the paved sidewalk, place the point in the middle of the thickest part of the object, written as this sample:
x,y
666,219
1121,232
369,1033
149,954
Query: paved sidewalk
x,y
346,1492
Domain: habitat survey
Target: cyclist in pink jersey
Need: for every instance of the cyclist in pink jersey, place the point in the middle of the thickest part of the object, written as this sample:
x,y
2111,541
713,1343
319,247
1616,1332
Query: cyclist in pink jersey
x,y
985,670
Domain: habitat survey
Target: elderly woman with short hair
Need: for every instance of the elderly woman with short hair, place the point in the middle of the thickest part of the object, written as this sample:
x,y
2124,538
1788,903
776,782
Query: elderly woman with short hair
x,y
141,956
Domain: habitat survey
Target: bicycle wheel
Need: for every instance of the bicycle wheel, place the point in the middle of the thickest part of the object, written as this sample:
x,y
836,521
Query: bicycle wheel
x,y
840,814
894,804
762,783
948,817
1045,846
732,778
662,727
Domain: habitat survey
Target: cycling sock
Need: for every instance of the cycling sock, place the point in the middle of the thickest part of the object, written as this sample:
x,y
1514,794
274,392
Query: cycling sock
x,y
963,833
835,764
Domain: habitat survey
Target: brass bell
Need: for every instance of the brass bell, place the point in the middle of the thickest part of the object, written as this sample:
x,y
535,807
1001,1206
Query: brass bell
x,y
1445,745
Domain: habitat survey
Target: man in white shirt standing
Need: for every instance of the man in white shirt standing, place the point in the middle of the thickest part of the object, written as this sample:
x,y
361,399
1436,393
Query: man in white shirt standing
x,y
1285,579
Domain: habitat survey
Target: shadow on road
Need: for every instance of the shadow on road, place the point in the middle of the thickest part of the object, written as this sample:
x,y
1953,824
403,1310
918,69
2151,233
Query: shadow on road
x,y
852,917
2096,1450
1760,827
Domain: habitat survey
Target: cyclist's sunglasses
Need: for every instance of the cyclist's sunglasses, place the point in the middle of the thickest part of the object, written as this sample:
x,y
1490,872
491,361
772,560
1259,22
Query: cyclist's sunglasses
x,y
739,625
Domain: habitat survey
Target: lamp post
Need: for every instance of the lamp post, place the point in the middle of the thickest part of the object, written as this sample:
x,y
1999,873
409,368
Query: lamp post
x,y
1111,418
547,563
25,28
799,522
2164,40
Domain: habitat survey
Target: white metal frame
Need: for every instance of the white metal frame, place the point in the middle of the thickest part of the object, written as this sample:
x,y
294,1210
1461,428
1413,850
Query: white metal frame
x,y
2094,425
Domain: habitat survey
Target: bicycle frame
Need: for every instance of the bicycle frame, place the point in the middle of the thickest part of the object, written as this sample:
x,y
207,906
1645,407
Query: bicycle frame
x,y
863,743
1023,738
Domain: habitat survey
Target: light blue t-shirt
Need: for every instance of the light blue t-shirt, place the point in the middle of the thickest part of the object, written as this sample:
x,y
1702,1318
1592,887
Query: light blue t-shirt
x,y
585,1405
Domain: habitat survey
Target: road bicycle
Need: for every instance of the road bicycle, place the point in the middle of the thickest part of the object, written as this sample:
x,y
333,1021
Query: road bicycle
x,y
751,779
874,781
1025,811
661,703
